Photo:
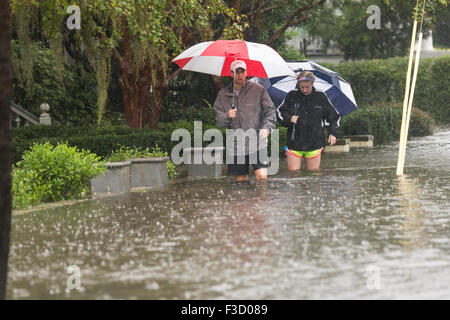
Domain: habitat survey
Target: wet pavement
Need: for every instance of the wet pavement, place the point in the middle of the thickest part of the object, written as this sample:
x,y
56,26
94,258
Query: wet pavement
x,y
353,230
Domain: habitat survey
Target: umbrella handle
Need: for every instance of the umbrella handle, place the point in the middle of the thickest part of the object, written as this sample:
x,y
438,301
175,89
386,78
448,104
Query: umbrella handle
x,y
294,123
293,131
234,78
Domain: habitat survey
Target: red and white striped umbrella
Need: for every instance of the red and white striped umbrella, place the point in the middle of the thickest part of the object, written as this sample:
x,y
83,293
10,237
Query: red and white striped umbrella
x,y
215,57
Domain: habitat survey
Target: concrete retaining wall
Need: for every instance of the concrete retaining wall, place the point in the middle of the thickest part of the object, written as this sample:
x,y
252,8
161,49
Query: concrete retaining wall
x,y
116,179
121,177
342,145
149,172
360,141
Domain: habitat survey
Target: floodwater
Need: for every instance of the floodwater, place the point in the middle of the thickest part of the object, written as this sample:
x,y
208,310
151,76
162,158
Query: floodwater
x,y
353,230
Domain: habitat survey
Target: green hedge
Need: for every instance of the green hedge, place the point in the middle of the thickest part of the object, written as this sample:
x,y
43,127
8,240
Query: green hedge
x,y
35,132
102,145
434,96
381,120
195,113
101,140
384,122
383,81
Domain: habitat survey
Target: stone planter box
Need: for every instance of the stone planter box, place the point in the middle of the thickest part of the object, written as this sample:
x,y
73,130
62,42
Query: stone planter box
x,y
360,141
204,169
342,145
115,180
149,172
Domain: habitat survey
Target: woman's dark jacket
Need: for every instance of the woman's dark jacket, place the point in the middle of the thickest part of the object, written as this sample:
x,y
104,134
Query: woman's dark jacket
x,y
313,110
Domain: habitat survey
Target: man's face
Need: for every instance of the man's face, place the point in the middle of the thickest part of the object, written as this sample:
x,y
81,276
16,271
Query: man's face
x,y
305,87
240,77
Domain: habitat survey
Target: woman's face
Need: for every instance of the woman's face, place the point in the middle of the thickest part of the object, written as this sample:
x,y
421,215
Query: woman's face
x,y
305,87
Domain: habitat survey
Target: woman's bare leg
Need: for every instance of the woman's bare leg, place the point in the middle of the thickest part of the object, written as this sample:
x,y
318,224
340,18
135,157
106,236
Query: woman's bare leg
x,y
294,163
313,164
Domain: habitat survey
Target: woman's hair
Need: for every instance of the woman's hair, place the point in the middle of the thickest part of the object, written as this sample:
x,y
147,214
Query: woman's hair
x,y
306,76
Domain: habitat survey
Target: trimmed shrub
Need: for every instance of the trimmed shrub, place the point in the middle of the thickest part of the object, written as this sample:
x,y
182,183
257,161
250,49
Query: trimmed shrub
x,y
93,139
25,189
101,140
432,90
384,122
195,113
383,81
57,130
53,173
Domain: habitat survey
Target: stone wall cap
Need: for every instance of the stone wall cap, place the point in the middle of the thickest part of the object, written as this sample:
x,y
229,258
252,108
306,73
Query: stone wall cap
x,y
144,160
117,164
340,142
202,148
362,137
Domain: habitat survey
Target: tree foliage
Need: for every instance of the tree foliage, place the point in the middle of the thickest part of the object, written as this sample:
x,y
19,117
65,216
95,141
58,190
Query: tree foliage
x,y
267,21
441,34
141,35
72,100
356,40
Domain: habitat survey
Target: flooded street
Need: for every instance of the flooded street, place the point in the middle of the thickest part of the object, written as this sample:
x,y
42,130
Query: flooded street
x,y
353,230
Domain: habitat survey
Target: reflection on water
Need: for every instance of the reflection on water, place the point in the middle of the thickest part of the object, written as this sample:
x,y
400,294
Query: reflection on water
x,y
412,211
301,235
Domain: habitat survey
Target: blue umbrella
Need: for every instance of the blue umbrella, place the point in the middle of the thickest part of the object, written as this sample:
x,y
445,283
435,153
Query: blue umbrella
x,y
338,91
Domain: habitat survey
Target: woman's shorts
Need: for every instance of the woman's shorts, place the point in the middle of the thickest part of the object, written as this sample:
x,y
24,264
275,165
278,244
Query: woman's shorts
x,y
305,154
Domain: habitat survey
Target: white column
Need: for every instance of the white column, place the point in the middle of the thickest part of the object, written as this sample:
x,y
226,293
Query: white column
x,y
45,118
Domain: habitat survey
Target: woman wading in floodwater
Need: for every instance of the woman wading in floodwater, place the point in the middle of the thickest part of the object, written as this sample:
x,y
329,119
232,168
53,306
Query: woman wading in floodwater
x,y
304,112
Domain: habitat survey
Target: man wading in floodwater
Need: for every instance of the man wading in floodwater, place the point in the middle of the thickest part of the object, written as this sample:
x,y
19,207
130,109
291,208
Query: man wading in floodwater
x,y
245,105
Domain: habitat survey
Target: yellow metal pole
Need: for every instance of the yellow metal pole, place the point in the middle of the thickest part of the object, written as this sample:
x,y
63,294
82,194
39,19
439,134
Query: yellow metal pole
x,y
401,157
409,96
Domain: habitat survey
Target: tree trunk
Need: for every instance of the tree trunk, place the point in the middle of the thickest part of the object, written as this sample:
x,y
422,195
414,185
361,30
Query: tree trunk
x,y
158,94
134,84
136,96
251,34
5,144
217,84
